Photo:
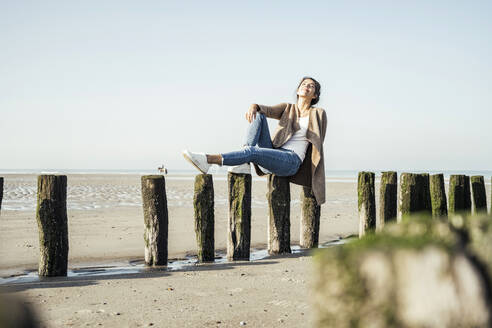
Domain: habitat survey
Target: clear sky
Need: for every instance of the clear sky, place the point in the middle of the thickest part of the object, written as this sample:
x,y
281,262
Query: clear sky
x,y
129,84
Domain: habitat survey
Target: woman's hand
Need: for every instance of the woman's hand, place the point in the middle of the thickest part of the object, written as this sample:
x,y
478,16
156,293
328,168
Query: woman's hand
x,y
251,113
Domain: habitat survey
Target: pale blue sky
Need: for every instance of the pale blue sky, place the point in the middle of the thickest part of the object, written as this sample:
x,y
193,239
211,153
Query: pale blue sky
x,y
128,85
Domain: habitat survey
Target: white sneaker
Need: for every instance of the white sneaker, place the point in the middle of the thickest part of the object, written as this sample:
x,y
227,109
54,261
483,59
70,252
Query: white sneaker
x,y
240,169
198,160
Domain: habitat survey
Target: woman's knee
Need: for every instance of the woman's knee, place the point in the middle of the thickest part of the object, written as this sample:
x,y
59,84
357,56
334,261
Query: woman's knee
x,y
252,153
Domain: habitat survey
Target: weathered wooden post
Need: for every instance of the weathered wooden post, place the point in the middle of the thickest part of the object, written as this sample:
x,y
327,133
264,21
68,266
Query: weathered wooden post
x,y
479,194
279,219
51,215
155,219
203,203
387,199
367,202
311,213
239,225
424,192
459,194
1,193
414,194
468,200
438,196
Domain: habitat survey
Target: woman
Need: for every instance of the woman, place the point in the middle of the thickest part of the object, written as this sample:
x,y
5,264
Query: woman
x,y
296,150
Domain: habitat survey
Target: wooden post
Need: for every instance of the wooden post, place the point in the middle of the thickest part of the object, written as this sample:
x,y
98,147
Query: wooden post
x,y
155,219
468,200
479,195
438,196
1,193
414,194
203,203
367,202
387,199
423,185
239,225
459,194
279,219
311,212
51,215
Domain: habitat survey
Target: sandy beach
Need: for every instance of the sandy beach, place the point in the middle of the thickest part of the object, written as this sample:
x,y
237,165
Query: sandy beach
x,y
106,230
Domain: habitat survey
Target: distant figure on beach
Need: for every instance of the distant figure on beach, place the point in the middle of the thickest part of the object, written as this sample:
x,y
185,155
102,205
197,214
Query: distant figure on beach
x,y
162,169
296,150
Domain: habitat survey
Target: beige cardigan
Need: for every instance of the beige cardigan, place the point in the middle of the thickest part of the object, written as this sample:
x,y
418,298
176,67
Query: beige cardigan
x,y
312,171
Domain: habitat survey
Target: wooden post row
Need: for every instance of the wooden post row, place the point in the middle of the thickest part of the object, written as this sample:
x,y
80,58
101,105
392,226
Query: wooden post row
x,y
156,219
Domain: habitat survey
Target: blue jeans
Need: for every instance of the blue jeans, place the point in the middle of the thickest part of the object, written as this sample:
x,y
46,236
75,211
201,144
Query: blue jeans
x,y
258,149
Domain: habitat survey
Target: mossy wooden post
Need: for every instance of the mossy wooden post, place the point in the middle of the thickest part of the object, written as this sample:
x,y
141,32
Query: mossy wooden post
x,y
239,227
438,196
311,212
459,194
1,193
279,219
387,199
479,195
155,219
51,215
414,194
203,203
367,202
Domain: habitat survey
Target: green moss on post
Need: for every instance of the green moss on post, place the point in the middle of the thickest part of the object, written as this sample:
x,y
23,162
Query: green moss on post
x,y
311,212
1,193
438,196
239,227
414,194
51,215
156,219
279,219
459,194
203,204
479,195
387,198
367,202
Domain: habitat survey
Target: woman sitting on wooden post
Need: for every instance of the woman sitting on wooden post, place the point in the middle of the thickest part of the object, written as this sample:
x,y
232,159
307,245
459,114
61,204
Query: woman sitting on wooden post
x,y
296,150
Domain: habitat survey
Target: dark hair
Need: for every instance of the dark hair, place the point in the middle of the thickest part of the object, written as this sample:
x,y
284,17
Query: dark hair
x,y
317,89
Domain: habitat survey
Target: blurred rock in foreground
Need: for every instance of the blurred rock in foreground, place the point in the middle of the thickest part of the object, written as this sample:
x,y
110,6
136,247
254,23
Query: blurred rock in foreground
x,y
420,273
15,313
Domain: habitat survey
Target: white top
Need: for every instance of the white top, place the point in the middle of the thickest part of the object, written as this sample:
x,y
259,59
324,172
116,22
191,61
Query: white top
x,y
298,142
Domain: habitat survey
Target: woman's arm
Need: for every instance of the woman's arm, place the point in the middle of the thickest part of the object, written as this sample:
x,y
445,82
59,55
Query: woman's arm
x,y
273,111
269,111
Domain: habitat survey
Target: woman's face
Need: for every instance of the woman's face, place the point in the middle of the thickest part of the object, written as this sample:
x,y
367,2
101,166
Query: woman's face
x,y
307,89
